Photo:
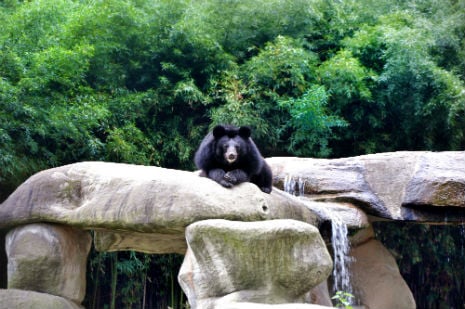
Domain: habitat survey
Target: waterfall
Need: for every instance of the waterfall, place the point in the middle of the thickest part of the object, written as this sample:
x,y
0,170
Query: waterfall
x,y
339,236
342,260
290,185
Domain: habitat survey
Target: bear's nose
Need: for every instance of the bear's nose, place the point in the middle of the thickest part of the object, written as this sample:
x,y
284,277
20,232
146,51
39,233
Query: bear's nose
x,y
231,156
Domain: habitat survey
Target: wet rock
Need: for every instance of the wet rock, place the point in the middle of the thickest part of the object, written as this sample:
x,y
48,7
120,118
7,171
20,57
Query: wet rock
x,y
347,213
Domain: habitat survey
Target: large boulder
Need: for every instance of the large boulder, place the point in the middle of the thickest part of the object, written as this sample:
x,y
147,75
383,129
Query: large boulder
x,y
397,186
268,262
48,258
139,207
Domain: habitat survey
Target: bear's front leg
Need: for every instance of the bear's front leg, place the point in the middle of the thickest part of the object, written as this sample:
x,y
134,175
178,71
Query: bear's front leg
x,y
218,175
236,176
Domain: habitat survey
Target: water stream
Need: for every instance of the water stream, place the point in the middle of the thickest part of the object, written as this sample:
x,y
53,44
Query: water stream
x,y
342,260
339,237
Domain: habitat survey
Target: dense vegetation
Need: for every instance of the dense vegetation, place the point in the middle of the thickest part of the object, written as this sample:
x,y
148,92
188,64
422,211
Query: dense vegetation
x,y
430,258
141,81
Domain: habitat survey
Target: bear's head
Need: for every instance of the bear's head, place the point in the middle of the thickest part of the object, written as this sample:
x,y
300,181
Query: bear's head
x,y
231,142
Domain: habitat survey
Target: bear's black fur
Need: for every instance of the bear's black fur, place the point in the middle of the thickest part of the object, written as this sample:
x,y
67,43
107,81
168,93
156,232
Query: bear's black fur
x,y
229,156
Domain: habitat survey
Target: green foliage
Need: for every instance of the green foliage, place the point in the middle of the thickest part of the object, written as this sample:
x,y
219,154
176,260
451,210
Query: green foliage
x,y
351,86
395,86
140,82
430,259
343,299
128,144
241,27
283,67
57,70
417,91
311,125
348,79
139,281
251,92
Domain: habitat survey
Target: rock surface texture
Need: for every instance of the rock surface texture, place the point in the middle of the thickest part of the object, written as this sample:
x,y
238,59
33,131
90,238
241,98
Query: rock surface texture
x,y
268,262
246,249
49,259
19,299
377,281
396,186
139,207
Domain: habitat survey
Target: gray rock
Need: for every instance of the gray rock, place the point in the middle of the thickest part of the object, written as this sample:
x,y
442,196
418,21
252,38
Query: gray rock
x,y
377,281
397,186
19,299
138,207
320,295
362,236
48,258
268,262
438,180
350,215
153,243
251,264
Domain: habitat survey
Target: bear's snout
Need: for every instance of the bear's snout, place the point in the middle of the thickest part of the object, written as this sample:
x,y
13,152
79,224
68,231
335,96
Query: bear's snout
x,y
231,157
230,154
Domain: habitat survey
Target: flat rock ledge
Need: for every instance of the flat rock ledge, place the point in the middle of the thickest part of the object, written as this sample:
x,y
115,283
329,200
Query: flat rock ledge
x,y
411,185
142,208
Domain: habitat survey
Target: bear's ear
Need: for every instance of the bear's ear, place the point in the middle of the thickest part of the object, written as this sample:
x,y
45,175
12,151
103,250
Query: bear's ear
x,y
245,132
219,131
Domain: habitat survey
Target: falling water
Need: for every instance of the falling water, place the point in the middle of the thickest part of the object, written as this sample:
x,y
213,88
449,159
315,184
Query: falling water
x,y
289,185
293,186
339,238
342,260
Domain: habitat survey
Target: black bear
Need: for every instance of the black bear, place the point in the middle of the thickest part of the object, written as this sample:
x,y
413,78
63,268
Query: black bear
x,y
229,156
